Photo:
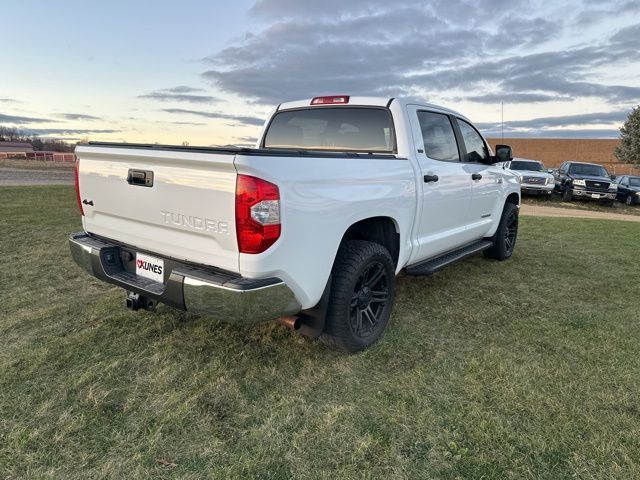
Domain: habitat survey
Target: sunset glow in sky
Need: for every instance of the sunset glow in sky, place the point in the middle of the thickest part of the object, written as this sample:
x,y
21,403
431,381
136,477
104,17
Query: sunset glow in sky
x,y
209,72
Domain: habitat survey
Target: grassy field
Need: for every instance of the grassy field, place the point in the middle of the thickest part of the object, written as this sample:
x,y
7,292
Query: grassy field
x,y
523,369
35,164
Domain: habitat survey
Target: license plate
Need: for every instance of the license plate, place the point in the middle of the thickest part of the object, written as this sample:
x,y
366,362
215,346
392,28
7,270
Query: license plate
x,y
150,267
595,195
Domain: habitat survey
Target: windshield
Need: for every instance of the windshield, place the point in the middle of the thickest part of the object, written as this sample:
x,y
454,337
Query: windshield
x,y
587,169
528,166
634,181
357,129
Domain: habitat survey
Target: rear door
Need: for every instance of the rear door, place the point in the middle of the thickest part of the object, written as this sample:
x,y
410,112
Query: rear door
x,y
444,185
174,203
486,180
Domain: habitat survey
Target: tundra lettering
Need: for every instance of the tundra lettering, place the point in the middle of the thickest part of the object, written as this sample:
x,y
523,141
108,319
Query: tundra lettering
x,y
196,223
340,194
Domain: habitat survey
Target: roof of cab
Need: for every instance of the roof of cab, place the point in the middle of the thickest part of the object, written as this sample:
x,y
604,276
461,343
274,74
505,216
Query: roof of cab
x,y
368,102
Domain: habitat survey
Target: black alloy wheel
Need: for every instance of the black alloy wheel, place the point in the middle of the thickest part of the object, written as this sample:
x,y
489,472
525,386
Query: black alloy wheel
x,y
369,300
511,232
361,296
504,240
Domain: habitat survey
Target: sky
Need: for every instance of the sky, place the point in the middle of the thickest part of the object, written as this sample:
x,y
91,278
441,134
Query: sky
x,y
209,72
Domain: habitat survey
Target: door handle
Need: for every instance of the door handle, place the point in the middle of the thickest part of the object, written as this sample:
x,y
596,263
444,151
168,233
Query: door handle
x,y
476,176
430,178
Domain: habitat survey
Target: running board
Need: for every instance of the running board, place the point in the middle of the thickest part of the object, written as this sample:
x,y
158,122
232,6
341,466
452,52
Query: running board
x,y
429,267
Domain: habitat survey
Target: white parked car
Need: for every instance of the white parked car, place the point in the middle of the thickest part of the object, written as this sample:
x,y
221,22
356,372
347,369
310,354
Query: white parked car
x,y
534,178
310,227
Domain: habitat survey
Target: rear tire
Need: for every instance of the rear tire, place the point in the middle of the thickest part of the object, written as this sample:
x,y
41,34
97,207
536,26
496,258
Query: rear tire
x,y
504,240
361,299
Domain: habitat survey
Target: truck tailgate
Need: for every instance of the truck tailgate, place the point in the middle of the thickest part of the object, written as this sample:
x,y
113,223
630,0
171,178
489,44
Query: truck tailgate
x,y
179,204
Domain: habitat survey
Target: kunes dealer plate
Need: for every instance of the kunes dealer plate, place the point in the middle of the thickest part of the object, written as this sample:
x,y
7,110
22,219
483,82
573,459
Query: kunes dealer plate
x,y
150,267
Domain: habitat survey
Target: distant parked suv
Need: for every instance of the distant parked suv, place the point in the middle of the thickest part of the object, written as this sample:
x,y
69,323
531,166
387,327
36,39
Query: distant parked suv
x,y
534,180
628,189
585,181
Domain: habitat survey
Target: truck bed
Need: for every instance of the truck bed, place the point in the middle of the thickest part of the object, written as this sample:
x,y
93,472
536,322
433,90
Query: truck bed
x,y
231,150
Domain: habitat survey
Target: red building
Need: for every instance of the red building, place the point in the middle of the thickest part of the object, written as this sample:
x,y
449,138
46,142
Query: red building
x,y
553,151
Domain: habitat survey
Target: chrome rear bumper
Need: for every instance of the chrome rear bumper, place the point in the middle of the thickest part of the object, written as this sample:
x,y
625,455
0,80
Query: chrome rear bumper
x,y
223,295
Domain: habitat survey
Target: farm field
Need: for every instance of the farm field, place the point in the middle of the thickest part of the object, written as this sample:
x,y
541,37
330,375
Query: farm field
x,y
522,369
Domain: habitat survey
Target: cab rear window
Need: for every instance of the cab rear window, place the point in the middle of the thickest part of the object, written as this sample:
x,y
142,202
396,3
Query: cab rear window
x,y
357,129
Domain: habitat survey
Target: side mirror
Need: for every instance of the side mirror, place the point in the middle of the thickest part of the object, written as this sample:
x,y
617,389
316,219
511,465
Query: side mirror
x,y
550,170
504,153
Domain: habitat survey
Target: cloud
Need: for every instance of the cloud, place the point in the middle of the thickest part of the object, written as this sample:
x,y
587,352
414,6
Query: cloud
x,y
604,12
519,52
179,94
66,131
363,47
17,120
183,89
247,120
188,123
599,118
77,116
9,100
514,98
561,73
248,139
554,133
335,9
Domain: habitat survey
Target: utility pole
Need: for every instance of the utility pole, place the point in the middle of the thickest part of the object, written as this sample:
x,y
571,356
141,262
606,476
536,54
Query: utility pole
x,y
502,120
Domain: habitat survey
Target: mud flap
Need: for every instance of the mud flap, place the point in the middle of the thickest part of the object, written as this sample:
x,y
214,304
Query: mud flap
x,y
313,319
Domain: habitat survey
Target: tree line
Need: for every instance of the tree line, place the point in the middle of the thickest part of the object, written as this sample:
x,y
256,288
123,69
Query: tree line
x,y
11,134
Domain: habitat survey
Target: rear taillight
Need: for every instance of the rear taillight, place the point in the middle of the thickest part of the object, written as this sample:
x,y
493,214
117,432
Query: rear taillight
x,y
257,214
77,182
330,100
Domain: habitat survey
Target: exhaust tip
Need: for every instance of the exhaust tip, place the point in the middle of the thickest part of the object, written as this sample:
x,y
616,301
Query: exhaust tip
x,y
294,323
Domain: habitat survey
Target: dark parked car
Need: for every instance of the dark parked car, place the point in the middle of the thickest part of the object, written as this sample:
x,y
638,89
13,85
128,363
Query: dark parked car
x,y
585,180
628,189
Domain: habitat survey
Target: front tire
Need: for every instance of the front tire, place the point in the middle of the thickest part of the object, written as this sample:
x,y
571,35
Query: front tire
x,y
630,200
362,294
567,195
504,240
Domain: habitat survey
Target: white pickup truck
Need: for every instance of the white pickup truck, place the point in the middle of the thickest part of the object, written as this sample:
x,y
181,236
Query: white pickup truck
x,y
310,227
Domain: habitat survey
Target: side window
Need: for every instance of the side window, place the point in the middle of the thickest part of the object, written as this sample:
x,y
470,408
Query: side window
x,y
438,137
476,149
624,182
564,168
